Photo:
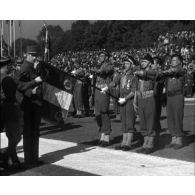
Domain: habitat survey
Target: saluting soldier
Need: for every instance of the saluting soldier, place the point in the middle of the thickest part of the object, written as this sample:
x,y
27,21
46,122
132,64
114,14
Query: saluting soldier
x,y
158,92
104,77
174,85
146,106
127,82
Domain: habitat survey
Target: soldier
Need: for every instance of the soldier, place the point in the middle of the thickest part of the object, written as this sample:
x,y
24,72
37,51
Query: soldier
x,y
10,114
104,77
127,82
78,91
174,85
115,92
28,83
146,106
158,92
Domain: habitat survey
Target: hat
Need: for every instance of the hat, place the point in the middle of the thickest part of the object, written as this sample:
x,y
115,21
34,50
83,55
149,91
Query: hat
x,y
4,61
148,58
130,59
31,49
106,53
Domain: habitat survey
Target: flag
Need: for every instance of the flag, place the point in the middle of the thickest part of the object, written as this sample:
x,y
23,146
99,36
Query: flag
x,y
57,94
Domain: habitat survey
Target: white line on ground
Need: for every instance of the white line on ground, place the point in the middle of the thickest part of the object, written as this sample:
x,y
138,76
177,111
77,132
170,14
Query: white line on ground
x,y
103,161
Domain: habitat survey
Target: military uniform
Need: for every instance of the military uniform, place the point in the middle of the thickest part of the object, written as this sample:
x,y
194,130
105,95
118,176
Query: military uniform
x,y
147,112
102,101
158,94
78,93
31,106
174,85
127,83
116,93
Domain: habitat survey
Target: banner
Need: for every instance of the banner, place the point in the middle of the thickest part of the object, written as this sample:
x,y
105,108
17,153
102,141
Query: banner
x,y
57,94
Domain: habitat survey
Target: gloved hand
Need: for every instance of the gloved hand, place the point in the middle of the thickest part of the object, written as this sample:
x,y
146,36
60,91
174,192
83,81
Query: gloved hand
x,y
38,79
104,90
34,90
121,100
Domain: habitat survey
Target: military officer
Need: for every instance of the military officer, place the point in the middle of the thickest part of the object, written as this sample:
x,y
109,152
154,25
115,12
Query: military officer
x,y
104,77
28,83
174,86
146,106
127,82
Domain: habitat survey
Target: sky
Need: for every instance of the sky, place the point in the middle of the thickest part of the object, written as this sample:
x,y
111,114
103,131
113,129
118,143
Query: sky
x,y
31,28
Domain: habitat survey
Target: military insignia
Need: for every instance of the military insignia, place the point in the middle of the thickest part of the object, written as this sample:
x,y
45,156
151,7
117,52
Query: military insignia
x,y
68,84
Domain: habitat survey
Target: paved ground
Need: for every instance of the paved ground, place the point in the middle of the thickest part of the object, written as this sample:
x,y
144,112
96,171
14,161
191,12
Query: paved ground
x,y
71,150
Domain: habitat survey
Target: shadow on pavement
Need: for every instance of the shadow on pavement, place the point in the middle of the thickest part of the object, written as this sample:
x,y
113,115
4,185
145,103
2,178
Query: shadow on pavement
x,y
57,128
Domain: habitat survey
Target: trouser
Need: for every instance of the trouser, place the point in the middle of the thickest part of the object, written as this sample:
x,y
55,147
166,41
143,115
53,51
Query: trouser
x,y
32,118
78,96
11,149
175,114
127,117
158,102
102,112
115,101
147,114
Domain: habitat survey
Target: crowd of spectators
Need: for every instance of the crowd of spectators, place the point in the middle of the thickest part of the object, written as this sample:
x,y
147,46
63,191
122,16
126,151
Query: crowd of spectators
x,y
165,46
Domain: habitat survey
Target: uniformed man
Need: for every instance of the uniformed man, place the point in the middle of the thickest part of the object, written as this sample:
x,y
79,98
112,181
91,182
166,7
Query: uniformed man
x,y
78,91
158,92
146,106
28,83
127,82
175,101
116,92
104,77
174,85
10,114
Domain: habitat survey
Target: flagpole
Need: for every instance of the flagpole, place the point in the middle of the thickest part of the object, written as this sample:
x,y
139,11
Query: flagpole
x,y
8,43
1,38
20,25
10,36
14,38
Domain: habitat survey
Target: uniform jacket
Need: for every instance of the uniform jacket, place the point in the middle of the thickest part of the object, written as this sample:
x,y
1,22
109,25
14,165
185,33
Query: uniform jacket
x,y
25,82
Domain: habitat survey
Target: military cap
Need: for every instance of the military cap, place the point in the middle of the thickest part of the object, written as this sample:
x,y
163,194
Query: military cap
x,y
148,57
31,49
4,61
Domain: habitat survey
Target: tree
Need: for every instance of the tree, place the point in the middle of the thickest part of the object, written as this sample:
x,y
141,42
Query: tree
x,y
25,43
56,35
